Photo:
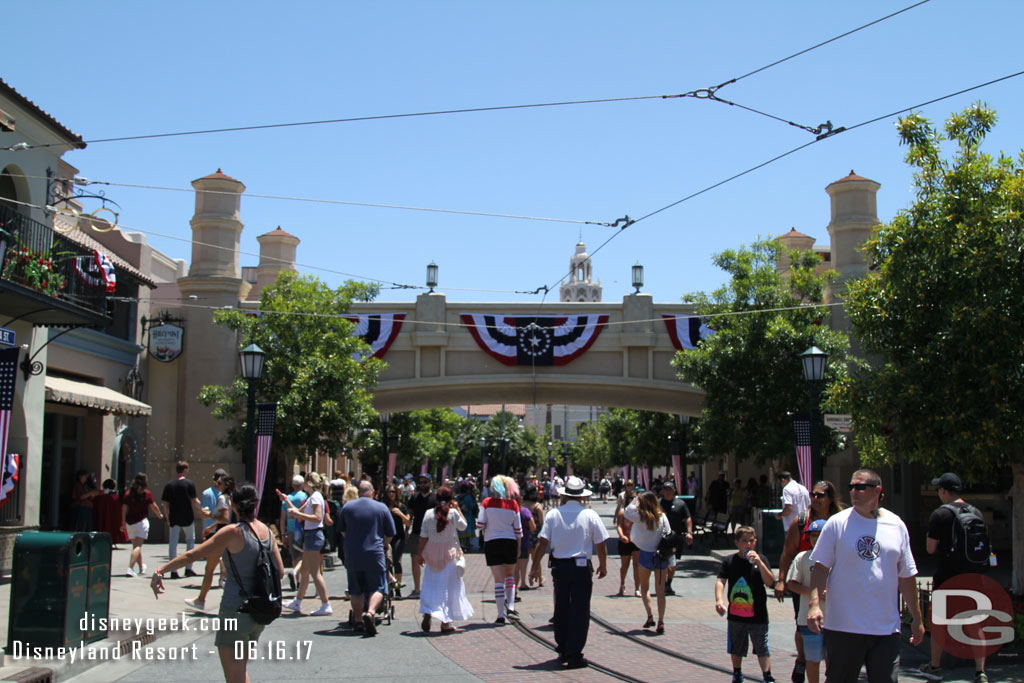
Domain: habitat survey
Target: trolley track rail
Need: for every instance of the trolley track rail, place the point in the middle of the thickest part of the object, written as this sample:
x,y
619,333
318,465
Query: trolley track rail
x,y
527,631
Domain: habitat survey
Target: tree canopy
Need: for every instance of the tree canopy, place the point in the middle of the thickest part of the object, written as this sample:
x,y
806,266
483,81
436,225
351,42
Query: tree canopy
x,y
314,368
750,369
942,308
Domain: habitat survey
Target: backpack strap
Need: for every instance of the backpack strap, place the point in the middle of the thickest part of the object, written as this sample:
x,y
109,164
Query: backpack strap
x,y
234,569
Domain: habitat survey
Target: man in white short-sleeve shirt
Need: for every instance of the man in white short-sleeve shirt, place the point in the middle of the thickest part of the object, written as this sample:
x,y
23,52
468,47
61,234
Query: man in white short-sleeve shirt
x,y
574,534
863,557
795,500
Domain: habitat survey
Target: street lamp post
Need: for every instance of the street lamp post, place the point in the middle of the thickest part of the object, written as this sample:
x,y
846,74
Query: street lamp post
x,y
567,457
814,361
251,359
551,458
482,442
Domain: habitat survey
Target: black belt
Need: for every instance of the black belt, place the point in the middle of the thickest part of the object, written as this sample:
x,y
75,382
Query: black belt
x,y
566,559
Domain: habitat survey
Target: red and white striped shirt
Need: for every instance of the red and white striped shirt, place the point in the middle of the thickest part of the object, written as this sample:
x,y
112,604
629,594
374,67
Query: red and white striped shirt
x,y
499,518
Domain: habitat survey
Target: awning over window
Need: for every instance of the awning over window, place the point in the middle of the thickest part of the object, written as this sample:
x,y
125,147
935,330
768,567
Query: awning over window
x,y
62,390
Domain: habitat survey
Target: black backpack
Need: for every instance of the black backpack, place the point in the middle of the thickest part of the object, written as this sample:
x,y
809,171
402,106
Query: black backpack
x,y
263,603
969,543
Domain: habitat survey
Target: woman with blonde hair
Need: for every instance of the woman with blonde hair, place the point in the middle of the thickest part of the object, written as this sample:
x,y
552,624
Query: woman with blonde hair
x,y
312,517
650,525
502,529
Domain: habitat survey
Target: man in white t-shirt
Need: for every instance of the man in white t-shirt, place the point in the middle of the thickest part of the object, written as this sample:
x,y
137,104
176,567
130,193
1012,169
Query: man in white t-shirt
x,y
863,557
795,500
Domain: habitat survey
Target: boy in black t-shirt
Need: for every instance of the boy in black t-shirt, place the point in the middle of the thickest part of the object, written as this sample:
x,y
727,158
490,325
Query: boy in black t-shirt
x,y
746,573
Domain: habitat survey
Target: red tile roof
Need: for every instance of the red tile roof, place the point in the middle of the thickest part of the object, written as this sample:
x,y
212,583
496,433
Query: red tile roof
x,y
793,233
54,124
853,176
220,175
277,232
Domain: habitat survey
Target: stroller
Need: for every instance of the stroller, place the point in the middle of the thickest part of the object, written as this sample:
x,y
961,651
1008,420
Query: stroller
x,y
386,609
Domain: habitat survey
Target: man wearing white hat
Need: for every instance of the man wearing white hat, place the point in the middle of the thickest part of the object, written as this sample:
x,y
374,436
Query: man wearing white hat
x,y
574,534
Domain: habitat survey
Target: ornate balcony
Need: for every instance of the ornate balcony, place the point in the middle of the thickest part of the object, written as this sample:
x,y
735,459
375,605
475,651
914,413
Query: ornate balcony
x,y
39,281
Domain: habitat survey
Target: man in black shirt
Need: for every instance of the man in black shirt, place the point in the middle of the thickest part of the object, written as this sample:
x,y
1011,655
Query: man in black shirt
x,y
940,543
418,504
679,519
718,494
180,507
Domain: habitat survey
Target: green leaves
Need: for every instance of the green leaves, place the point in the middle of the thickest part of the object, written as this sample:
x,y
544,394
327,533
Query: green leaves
x,y
750,369
943,310
321,390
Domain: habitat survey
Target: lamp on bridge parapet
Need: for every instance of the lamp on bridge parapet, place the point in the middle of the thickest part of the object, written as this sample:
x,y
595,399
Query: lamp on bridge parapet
x,y
431,276
638,277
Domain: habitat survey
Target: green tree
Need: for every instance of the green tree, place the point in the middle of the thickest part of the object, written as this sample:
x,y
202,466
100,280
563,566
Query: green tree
x,y
321,390
592,451
750,369
943,309
638,437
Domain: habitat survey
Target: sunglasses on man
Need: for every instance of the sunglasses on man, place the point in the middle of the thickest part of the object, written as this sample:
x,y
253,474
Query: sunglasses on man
x,y
862,487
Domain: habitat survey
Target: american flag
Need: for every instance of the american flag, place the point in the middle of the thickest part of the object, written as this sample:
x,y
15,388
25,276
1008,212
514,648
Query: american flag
x,y
265,414
802,426
8,379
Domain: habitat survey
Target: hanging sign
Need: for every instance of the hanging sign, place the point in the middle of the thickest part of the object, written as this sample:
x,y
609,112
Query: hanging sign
x,y
165,342
7,336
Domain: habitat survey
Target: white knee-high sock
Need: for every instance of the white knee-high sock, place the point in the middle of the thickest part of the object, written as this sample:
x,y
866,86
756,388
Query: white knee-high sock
x,y
499,599
510,592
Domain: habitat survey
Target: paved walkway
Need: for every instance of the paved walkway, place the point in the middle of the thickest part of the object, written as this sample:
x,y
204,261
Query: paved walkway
x,y
479,651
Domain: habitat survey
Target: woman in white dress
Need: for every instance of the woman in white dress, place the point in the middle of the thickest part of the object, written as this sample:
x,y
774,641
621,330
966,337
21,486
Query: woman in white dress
x,y
442,592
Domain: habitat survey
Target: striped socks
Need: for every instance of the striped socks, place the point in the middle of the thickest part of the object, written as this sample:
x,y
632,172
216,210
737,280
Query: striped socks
x,y
499,599
510,592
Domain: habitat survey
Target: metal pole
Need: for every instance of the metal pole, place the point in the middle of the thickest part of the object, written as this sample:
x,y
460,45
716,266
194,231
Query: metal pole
x,y
250,433
816,474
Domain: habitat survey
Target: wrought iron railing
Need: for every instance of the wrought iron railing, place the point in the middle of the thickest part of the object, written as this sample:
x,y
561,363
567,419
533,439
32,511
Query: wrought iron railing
x,y
43,260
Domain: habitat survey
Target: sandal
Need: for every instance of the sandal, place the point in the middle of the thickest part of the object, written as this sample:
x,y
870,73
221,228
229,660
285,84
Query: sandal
x,y
622,590
661,627
650,621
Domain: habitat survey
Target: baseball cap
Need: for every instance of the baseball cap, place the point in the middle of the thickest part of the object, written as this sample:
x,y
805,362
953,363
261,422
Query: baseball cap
x,y
816,525
948,481
298,480
668,484
218,473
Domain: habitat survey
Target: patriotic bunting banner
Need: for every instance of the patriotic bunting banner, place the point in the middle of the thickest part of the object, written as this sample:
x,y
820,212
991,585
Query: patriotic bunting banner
x,y
8,380
96,270
265,416
802,427
483,476
444,474
535,340
379,330
686,333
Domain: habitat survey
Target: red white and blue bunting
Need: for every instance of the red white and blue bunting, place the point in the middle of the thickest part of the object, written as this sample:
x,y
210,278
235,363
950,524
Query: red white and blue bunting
x,y
379,330
96,271
535,340
686,332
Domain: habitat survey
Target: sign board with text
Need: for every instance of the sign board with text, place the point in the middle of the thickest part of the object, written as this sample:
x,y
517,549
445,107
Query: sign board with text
x,y
840,423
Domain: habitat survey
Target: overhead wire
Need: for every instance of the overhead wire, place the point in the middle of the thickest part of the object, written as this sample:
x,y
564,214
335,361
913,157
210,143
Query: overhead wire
x,y
631,222
702,93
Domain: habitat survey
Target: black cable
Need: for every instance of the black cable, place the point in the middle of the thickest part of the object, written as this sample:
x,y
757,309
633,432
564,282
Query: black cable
x,y
704,93
821,44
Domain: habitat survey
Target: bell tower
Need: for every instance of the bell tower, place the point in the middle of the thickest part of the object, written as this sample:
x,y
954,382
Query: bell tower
x,y
580,286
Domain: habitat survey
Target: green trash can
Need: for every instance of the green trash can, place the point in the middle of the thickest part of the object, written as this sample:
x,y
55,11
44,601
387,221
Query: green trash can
x,y
49,590
772,536
98,602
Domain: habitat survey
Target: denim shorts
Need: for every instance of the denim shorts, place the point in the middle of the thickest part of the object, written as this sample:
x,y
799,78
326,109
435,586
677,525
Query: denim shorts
x,y
814,644
367,581
313,539
651,562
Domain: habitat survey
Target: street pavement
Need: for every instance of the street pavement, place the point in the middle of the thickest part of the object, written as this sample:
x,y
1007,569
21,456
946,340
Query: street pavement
x,y
324,648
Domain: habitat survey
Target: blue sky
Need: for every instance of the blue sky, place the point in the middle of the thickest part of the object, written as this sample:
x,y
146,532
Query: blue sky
x,y
128,68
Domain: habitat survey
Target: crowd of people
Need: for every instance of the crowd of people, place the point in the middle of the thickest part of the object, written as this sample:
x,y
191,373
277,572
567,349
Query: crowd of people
x,y
858,557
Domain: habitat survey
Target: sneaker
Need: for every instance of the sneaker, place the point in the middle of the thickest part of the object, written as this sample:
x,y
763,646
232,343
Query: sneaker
x,y
500,621
980,677
291,579
425,623
512,614
669,591
799,669
324,611
737,677
130,572
174,575
190,573
143,572
197,605
414,594
295,605
932,673
576,663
